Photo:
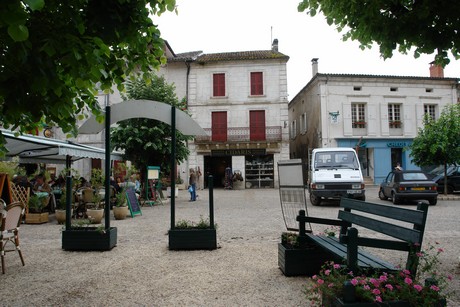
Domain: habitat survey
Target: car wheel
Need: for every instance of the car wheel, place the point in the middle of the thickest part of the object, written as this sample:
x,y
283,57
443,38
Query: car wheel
x,y
433,202
450,189
395,199
382,195
315,200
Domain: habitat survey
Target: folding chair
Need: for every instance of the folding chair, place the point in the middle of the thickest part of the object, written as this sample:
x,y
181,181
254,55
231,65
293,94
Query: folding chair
x,y
11,219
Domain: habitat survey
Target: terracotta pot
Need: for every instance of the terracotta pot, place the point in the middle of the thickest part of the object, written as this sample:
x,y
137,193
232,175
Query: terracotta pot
x,y
120,213
60,215
95,215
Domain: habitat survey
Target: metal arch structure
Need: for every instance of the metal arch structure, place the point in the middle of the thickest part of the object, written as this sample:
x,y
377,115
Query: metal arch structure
x,y
128,109
145,109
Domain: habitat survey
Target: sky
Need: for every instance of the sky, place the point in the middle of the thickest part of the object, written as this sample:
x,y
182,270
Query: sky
x,y
214,26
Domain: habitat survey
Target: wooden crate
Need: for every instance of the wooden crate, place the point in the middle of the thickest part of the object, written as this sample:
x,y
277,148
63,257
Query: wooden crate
x,y
37,218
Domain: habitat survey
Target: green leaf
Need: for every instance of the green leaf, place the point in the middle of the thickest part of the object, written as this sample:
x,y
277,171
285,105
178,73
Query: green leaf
x,y
18,33
35,5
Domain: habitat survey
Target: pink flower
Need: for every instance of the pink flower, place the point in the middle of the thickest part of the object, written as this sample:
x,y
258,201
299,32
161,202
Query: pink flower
x,y
418,288
388,286
440,250
378,299
354,281
327,272
383,278
376,291
366,287
407,280
320,281
336,266
407,272
331,285
449,277
434,288
314,277
419,254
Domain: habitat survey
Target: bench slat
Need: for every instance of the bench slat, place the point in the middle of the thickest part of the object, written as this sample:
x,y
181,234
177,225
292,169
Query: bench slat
x,y
395,231
365,259
396,213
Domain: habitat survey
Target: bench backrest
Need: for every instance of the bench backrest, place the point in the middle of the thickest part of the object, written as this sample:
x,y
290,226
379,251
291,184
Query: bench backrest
x,y
410,239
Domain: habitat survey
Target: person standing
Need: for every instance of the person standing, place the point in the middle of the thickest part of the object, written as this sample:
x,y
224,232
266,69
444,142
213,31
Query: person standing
x,y
192,183
199,186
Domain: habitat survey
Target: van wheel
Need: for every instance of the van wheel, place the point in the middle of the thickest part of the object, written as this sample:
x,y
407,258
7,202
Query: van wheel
x,y
433,202
382,195
315,200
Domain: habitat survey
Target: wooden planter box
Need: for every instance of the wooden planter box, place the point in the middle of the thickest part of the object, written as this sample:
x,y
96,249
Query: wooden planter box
x,y
302,261
37,218
188,239
89,239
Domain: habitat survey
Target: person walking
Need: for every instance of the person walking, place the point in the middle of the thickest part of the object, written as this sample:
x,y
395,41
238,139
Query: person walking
x,y
192,183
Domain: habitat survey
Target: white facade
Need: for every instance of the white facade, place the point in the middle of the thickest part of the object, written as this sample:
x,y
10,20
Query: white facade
x,y
325,114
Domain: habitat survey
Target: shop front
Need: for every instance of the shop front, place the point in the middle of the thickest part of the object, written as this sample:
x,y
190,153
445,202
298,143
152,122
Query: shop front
x,y
240,168
379,156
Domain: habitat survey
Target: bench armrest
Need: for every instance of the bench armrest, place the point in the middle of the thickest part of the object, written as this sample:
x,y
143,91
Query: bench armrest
x,y
333,222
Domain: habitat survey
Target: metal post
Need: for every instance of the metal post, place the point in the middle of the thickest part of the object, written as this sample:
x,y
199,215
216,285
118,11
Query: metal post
x,y
173,166
107,167
68,202
211,201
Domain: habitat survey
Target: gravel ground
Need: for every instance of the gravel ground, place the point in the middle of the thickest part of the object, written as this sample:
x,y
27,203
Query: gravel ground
x,y
141,271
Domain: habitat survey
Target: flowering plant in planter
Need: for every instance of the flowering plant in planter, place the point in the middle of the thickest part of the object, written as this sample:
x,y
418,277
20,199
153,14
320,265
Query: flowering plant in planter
x,y
382,288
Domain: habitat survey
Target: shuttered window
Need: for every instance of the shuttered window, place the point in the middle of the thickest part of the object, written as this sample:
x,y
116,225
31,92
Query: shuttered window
x,y
257,125
219,126
218,85
257,84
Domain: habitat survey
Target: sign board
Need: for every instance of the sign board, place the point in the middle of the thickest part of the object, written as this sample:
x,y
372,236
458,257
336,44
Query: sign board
x,y
153,172
133,203
292,191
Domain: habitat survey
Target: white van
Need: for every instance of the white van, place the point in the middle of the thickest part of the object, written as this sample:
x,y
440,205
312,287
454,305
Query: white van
x,y
335,173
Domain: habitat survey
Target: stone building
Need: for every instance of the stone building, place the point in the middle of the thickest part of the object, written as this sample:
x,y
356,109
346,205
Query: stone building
x,y
378,115
240,99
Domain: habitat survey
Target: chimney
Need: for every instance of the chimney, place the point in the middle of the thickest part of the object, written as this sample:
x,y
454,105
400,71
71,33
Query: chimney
x,y
436,71
275,45
314,66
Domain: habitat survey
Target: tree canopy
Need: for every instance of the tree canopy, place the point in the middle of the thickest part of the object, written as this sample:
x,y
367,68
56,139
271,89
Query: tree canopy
x,y
438,142
429,26
147,142
56,55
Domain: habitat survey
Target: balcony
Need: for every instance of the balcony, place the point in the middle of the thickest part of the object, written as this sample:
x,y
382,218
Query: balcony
x,y
241,135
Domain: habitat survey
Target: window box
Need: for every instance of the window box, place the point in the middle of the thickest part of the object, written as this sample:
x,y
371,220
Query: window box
x,y
395,124
359,125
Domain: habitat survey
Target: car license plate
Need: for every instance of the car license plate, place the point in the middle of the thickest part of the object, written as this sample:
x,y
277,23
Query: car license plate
x,y
418,189
354,191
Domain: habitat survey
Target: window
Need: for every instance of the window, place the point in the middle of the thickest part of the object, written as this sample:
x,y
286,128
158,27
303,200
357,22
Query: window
x,y
358,117
356,88
257,125
218,85
293,129
257,83
430,109
394,115
303,123
219,126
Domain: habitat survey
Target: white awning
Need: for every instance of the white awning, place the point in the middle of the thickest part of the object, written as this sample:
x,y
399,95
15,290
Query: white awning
x,y
36,149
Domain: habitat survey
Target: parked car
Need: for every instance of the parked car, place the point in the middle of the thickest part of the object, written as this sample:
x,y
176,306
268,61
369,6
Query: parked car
x,y
400,186
453,179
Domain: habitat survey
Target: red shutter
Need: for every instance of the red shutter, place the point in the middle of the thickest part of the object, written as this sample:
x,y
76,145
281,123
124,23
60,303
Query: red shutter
x,y
219,85
257,125
219,126
257,85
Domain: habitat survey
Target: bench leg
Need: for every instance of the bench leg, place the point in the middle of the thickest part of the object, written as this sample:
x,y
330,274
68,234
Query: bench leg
x,y
352,249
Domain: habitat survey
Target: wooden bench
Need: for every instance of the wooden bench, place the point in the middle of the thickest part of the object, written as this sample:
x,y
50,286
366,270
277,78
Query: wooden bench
x,y
383,219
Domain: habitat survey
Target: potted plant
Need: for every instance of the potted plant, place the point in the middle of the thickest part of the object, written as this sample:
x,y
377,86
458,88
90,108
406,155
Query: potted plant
x,y
35,214
97,178
95,213
300,256
83,237
188,235
60,212
335,285
120,210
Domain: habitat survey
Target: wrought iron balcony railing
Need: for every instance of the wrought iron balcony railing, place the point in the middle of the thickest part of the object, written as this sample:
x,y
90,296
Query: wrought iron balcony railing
x,y
241,134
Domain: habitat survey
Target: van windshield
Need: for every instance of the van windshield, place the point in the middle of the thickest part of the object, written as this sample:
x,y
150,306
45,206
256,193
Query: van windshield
x,y
336,160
